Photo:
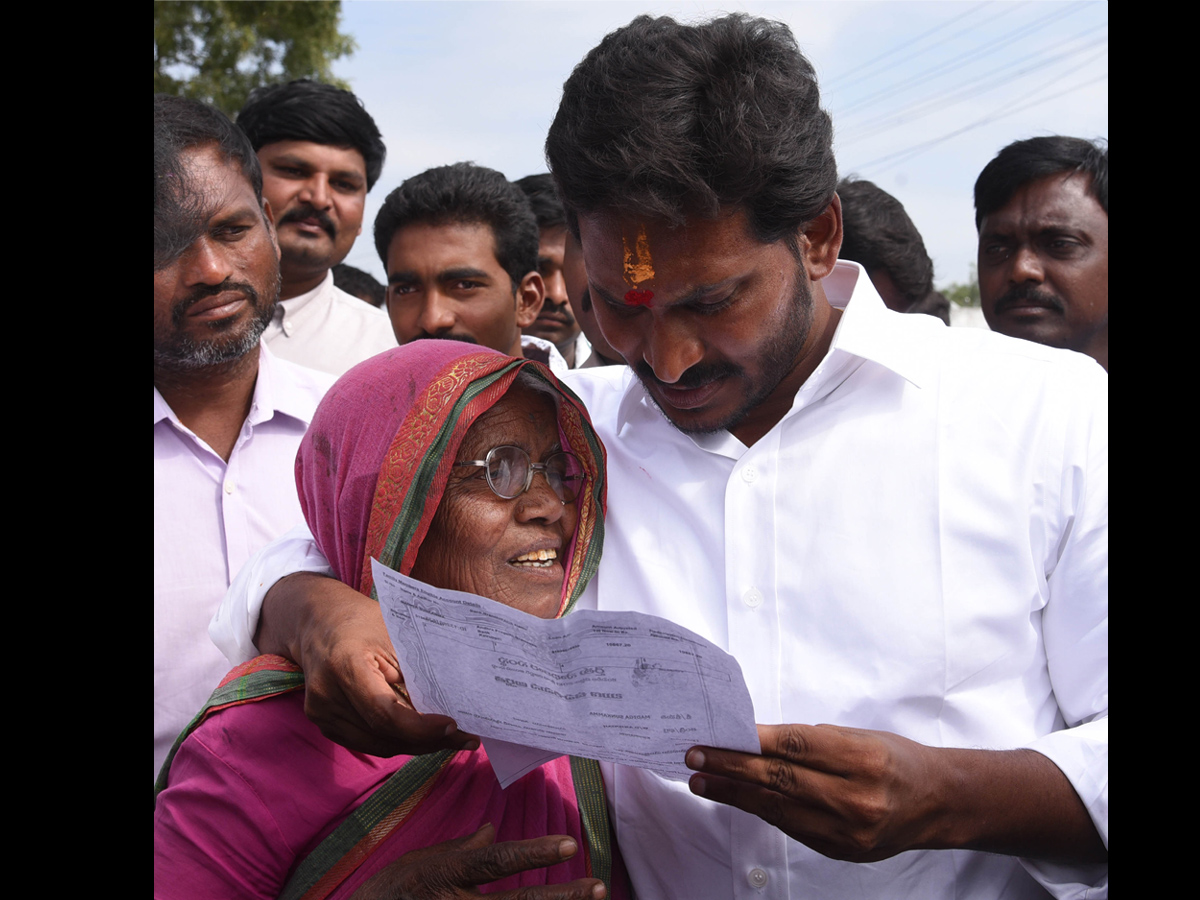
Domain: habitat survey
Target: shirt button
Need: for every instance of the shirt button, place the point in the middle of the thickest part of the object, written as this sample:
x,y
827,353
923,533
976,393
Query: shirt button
x,y
758,878
749,474
753,599
228,485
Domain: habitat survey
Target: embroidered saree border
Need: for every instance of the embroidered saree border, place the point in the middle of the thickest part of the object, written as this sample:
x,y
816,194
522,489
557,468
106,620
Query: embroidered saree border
x,y
593,817
345,849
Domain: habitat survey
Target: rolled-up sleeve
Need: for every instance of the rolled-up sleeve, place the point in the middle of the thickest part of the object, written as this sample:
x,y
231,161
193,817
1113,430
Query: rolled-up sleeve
x,y
232,627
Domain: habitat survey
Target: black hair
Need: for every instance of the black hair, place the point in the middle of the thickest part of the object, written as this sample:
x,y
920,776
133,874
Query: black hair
x,y
878,233
180,210
359,283
670,121
465,194
1024,161
547,208
307,110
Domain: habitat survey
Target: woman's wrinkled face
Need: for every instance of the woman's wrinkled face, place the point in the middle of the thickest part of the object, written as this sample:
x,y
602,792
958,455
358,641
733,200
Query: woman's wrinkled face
x,y
481,543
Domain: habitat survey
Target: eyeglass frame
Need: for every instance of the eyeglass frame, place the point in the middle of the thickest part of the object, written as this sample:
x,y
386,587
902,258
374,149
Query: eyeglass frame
x,y
531,468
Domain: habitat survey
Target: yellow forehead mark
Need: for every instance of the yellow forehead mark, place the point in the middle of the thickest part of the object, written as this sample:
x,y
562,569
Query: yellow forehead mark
x,y
639,266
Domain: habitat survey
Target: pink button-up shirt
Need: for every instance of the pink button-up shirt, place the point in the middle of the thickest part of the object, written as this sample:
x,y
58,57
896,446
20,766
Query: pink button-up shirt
x,y
209,517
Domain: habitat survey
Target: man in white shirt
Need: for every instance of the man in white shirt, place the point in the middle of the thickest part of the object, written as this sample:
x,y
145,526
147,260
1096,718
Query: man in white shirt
x,y
459,244
320,153
556,321
227,416
1041,209
949,623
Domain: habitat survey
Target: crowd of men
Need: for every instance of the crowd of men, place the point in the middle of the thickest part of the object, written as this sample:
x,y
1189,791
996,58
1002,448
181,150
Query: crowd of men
x,y
756,398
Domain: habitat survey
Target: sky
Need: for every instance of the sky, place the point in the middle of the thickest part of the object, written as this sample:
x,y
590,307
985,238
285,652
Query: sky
x,y
922,94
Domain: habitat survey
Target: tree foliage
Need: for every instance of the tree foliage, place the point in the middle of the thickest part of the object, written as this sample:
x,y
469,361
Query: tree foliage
x,y
218,50
964,294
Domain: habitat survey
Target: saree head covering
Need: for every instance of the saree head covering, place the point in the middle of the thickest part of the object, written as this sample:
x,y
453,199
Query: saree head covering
x,y
374,464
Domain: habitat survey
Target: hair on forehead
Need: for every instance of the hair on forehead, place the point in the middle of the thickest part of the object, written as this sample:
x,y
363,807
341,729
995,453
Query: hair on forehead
x,y
181,209
306,110
670,121
538,385
1031,160
465,194
543,197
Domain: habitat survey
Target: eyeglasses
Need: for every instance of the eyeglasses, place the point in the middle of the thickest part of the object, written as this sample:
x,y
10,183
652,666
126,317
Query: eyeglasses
x,y
510,471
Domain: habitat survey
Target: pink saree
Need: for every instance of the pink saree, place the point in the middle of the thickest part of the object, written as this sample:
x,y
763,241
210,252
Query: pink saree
x,y
254,801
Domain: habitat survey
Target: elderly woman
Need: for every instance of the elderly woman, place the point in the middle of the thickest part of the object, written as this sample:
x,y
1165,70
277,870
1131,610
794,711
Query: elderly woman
x,y
468,470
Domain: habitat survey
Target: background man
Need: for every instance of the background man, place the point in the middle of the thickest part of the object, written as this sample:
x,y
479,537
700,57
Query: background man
x,y
460,247
1041,209
575,282
320,153
752,444
878,233
556,322
359,283
228,417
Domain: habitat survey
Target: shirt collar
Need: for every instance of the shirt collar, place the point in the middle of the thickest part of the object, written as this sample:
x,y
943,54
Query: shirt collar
x,y
544,351
868,328
276,393
866,332
272,394
294,306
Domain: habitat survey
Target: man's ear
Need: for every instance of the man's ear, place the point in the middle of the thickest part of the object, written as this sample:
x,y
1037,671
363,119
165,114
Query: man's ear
x,y
821,240
269,219
531,294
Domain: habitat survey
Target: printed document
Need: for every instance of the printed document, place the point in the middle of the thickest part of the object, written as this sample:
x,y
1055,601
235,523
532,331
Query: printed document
x,y
621,687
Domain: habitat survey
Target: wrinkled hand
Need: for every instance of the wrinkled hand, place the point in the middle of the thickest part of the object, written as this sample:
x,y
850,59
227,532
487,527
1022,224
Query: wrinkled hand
x,y
454,869
339,639
845,792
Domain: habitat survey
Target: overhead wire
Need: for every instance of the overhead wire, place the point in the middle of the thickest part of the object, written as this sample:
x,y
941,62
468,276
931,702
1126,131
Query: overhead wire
x,y
981,84
863,71
963,59
901,156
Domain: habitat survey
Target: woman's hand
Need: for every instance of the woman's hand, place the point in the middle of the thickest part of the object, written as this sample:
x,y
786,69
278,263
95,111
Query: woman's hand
x,y
455,869
338,637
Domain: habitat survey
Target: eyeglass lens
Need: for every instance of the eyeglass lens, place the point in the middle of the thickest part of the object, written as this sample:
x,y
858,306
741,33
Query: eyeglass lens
x,y
510,472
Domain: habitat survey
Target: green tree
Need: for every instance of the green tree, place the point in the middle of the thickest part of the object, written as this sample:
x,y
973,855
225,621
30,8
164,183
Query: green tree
x,y
218,51
964,294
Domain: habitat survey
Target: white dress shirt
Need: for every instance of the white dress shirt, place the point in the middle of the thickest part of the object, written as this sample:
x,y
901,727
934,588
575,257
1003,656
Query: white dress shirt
x,y
209,517
920,546
544,352
328,329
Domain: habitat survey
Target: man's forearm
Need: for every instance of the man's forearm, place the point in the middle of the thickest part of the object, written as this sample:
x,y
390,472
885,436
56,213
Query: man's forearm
x,y
1016,802
339,638
288,612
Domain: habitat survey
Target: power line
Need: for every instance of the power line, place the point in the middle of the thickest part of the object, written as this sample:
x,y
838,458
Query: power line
x,y
901,156
976,87
839,81
965,58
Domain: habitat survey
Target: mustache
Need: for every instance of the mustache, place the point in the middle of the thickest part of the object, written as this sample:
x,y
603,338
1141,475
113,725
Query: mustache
x,y
563,308
204,291
697,376
306,211
1027,293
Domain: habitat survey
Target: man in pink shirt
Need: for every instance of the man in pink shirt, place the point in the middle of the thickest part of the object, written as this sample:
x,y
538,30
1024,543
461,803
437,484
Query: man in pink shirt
x,y
228,416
